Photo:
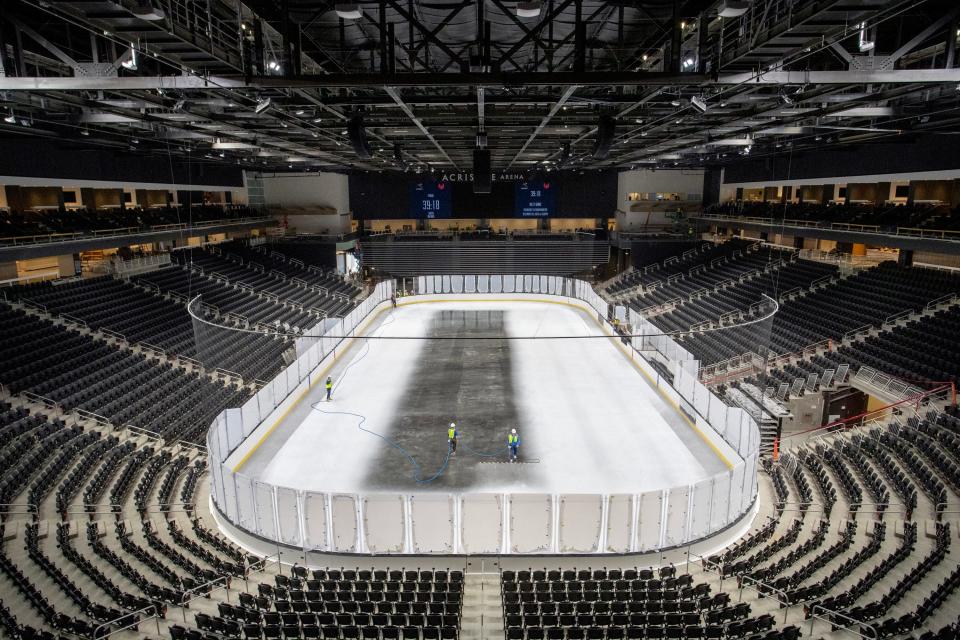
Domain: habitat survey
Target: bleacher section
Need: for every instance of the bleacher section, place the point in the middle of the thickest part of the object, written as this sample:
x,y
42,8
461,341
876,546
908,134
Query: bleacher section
x,y
111,384
811,566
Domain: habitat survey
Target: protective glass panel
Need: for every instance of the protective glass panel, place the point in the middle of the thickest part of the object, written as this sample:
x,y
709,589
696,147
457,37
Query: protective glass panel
x,y
315,520
481,526
456,282
383,523
483,284
719,509
236,346
649,525
288,515
229,496
432,523
677,516
469,284
446,285
266,520
343,509
496,284
531,522
701,505
247,518
619,523
580,522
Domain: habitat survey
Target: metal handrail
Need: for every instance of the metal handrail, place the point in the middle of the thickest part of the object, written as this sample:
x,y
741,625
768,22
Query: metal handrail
x,y
135,624
843,616
745,580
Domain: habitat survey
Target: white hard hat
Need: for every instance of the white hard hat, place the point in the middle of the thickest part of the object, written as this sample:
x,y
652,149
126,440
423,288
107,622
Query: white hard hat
x,y
453,424
513,430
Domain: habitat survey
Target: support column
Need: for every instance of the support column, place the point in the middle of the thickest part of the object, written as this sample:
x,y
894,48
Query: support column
x,y
881,194
14,197
905,258
786,194
88,198
827,195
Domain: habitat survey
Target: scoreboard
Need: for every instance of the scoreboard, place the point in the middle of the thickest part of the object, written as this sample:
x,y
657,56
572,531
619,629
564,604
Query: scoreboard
x,y
430,199
534,198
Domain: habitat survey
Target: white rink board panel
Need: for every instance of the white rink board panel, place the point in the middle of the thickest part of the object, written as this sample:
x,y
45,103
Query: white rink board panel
x,y
343,509
619,523
481,529
651,519
531,522
581,519
384,524
315,520
431,521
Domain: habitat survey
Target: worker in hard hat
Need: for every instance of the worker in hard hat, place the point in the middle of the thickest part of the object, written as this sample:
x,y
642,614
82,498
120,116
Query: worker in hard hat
x,y
329,386
452,436
513,444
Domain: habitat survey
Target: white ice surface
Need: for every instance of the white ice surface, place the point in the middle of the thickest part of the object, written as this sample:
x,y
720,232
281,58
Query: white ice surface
x,y
593,421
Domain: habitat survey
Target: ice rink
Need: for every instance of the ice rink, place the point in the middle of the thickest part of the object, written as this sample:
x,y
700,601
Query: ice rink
x,y
589,421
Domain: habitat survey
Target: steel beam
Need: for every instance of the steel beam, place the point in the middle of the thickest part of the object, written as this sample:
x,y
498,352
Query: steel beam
x,y
543,123
494,80
393,93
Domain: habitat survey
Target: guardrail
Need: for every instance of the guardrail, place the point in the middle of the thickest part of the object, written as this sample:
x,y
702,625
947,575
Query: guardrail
x,y
936,302
74,320
853,333
50,238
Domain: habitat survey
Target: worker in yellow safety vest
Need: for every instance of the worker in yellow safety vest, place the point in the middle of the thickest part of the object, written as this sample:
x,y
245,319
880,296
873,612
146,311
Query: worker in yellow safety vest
x,y
329,387
452,436
513,444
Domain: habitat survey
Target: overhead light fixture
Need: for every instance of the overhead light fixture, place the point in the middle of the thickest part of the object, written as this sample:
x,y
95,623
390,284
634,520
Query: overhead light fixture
x,y
699,104
787,100
179,105
732,8
10,119
273,65
675,103
84,132
529,9
130,64
348,10
146,10
688,62
299,112
864,43
262,105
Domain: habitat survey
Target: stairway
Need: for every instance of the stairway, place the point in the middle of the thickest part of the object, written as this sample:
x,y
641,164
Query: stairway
x,y
482,617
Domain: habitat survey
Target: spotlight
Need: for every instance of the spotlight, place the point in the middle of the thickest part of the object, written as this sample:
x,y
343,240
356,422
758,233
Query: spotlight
x,y
145,10
84,132
699,104
130,64
10,119
529,9
262,105
179,105
348,10
732,8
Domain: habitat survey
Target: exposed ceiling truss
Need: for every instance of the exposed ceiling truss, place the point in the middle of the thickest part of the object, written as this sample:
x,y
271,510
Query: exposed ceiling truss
x,y
271,83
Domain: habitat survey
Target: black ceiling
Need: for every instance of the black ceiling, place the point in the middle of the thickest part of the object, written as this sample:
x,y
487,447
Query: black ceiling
x,y
427,77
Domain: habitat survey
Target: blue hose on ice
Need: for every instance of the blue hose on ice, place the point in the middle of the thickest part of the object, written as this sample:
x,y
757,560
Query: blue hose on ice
x,y
418,470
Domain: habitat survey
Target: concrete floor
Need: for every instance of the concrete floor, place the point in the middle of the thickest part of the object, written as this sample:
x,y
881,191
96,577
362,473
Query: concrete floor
x,y
589,421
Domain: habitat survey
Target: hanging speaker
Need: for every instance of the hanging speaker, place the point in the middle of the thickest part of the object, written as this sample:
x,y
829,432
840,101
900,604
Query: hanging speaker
x,y
398,156
358,137
606,132
564,154
481,171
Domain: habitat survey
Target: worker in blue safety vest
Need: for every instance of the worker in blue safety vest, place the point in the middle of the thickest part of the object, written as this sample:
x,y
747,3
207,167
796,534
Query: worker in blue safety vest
x,y
513,444
452,436
329,387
